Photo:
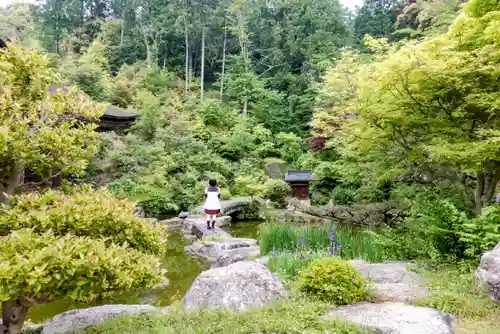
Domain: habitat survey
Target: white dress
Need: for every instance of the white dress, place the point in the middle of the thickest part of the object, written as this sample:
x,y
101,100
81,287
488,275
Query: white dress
x,y
212,203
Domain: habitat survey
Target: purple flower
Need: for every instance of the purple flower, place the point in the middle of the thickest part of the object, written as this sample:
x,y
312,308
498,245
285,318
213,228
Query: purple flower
x,y
332,251
339,246
274,253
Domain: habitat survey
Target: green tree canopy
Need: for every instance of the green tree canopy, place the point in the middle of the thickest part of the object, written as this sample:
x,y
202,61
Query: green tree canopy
x,y
48,133
430,106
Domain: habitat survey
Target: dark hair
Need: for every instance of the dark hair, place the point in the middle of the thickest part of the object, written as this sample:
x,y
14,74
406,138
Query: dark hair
x,y
3,45
212,182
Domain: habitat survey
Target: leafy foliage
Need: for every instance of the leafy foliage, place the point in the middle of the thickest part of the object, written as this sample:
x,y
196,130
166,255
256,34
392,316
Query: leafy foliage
x,y
482,233
334,280
84,212
70,266
49,134
276,191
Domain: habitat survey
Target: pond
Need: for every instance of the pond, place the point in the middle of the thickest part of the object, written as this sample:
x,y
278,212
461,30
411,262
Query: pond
x,y
182,269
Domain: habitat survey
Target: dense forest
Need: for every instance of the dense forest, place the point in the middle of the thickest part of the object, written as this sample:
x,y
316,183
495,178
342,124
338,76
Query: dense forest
x,y
392,105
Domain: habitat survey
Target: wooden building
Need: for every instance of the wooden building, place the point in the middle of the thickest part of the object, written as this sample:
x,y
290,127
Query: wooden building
x,y
113,118
299,182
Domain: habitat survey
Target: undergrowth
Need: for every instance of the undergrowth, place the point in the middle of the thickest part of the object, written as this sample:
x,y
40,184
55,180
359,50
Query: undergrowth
x,y
453,290
292,316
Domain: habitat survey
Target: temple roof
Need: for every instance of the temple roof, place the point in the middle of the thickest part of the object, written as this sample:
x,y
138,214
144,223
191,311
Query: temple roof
x,y
111,112
299,176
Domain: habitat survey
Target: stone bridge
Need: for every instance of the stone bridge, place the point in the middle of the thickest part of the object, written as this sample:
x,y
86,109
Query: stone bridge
x,y
230,207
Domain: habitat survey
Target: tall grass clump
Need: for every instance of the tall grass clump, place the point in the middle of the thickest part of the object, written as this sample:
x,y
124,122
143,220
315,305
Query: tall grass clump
x,y
346,242
288,264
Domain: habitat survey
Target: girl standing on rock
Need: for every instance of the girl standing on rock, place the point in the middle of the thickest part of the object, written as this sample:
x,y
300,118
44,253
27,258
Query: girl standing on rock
x,y
212,204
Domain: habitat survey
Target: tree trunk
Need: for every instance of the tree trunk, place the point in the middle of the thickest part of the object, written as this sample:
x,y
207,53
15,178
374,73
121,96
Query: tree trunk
x,y
223,61
479,192
486,184
186,60
202,75
13,316
245,105
15,180
191,69
82,8
122,28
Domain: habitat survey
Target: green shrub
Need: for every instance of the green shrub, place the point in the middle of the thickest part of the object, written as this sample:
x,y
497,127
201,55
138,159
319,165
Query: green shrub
x,y
86,212
481,234
46,267
430,230
82,246
225,194
343,196
332,279
276,191
245,185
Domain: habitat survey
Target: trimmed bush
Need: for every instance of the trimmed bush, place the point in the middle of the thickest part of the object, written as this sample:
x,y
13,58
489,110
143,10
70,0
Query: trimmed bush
x,y
276,191
84,246
334,280
86,212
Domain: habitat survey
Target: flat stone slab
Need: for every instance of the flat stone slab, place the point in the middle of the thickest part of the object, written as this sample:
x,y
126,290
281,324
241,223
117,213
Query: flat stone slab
x,y
201,231
77,320
212,249
395,318
392,281
197,225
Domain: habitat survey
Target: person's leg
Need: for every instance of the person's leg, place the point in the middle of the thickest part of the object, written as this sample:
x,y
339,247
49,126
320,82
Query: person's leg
x,y
214,217
208,221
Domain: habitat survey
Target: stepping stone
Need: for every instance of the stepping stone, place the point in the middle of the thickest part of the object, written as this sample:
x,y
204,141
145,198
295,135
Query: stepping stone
x,y
212,249
201,231
392,281
395,318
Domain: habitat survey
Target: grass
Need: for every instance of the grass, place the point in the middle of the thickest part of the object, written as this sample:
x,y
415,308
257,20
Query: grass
x,y
453,291
297,315
356,244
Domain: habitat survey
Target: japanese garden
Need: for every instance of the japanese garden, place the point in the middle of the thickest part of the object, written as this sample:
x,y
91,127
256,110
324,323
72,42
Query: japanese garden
x,y
354,152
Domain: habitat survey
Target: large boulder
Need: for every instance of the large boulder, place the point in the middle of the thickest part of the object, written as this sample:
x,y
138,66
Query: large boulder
x,y
231,256
240,287
212,249
488,273
77,320
395,318
392,281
